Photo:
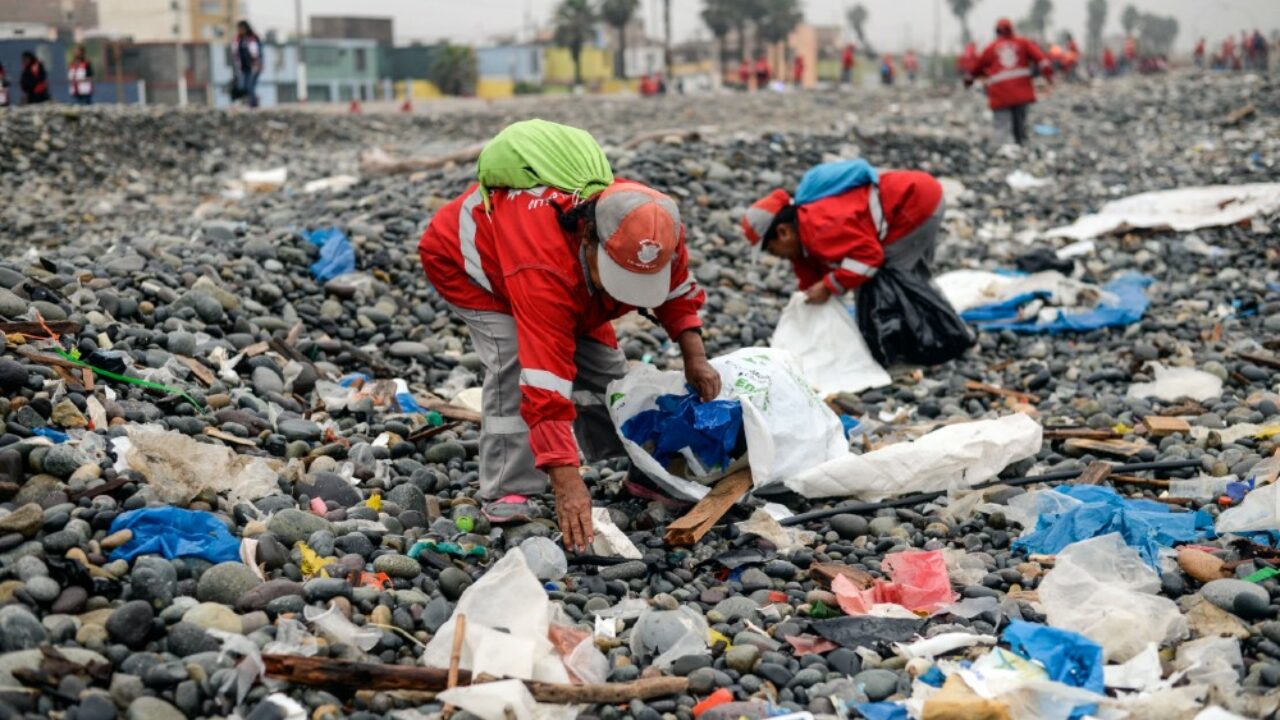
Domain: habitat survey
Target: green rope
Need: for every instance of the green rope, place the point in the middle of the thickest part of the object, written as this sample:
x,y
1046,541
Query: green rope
x,y
132,380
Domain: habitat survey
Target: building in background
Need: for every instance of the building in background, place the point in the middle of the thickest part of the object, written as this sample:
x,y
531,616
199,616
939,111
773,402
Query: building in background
x,y
168,20
62,15
379,29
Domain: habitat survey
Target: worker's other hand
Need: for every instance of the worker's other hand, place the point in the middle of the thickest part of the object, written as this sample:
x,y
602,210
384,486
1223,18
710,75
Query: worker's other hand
x,y
968,82
703,378
817,293
573,508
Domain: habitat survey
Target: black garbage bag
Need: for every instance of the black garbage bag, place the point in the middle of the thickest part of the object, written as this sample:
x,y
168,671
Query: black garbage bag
x,y
905,319
1042,259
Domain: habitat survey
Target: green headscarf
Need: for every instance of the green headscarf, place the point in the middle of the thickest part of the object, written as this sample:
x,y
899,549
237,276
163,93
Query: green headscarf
x,y
531,153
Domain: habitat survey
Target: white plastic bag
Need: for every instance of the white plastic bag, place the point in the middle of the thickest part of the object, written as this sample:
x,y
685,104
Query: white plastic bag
x,y
508,616
1027,508
669,635
1212,661
952,457
1260,510
788,428
1103,590
610,541
504,700
1177,382
828,346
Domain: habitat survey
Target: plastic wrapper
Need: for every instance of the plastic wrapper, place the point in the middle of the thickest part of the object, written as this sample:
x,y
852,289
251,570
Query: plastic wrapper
x,y
1024,686
964,569
248,659
1212,661
1069,658
338,629
545,558
508,618
178,468
905,319
829,347
919,583
1141,672
1170,384
788,428
626,609
1259,511
1102,589
663,636
337,255
292,638
1179,209
1200,487
586,663
173,533
785,539
969,608
609,540
1027,508
503,700
942,644
951,457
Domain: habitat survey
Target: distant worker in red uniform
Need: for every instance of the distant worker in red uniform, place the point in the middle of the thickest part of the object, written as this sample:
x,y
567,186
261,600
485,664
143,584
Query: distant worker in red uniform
x,y
797,70
839,242
1129,57
911,63
968,60
1199,53
1109,66
846,64
764,73
1008,64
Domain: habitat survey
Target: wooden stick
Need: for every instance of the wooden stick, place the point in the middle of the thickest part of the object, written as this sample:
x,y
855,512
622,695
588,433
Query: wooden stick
x,y
61,327
1270,361
1158,427
1115,448
1003,392
1079,432
379,163
455,659
1094,473
1133,480
327,672
693,525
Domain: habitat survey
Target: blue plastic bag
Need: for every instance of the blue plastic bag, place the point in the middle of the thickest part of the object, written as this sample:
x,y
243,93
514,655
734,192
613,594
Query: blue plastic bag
x,y
337,256
1130,305
54,436
834,178
882,710
174,533
1145,525
1069,658
709,429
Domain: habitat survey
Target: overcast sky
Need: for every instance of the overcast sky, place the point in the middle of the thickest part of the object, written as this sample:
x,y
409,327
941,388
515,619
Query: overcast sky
x,y
892,24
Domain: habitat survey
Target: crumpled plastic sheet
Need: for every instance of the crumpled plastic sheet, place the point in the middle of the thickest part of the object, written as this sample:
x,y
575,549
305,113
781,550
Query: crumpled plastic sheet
x,y
710,430
1027,508
177,468
969,289
1102,589
545,558
1258,512
1127,305
1181,209
174,533
249,668
1173,383
338,629
919,583
942,644
951,457
609,540
337,255
504,700
1142,672
829,347
686,629
963,568
1145,525
508,617
1212,661
785,539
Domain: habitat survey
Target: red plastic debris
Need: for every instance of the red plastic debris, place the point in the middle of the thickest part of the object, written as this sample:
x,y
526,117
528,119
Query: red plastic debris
x,y
919,583
719,697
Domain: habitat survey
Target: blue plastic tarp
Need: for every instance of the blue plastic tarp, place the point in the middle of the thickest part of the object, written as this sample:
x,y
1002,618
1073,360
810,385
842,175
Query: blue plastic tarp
x,y
709,429
1128,307
834,178
882,711
337,256
174,533
1069,658
1145,525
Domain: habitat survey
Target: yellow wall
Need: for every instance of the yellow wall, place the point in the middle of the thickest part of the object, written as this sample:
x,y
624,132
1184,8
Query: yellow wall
x,y
495,87
418,89
597,64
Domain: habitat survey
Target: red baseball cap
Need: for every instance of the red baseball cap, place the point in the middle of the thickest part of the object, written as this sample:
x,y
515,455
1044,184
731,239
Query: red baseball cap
x,y
1004,25
759,217
639,228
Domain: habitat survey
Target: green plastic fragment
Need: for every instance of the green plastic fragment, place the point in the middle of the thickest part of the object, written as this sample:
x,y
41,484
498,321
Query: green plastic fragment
x,y
435,419
158,387
465,523
819,611
1263,574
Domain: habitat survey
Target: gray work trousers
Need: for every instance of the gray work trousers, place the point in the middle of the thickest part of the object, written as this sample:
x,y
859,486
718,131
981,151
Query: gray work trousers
x,y
1012,120
915,250
506,461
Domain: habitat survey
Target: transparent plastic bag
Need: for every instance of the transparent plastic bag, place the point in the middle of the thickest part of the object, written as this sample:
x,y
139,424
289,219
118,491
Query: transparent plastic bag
x,y
665,635
785,539
1260,510
1027,508
1212,661
1103,590
1200,487
545,558
338,629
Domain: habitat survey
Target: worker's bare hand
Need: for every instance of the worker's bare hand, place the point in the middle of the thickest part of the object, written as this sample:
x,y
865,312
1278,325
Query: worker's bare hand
x,y
817,293
573,508
704,378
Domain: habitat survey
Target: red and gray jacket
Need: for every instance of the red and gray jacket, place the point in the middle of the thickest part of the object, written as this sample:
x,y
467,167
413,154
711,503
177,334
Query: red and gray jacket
x,y
517,260
844,236
1007,65
79,76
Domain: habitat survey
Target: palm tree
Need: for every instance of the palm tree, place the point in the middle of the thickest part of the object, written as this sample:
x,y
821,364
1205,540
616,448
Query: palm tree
x,y
1038,21
778,19
666,36
618,14
1096,20
857,18
961,9
719,16
575,22
1129,19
